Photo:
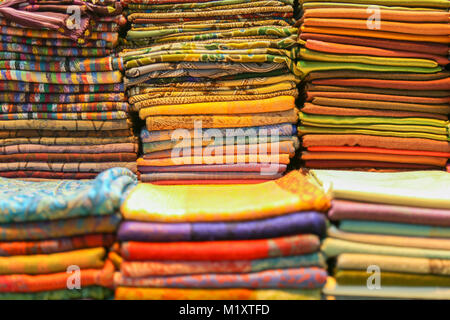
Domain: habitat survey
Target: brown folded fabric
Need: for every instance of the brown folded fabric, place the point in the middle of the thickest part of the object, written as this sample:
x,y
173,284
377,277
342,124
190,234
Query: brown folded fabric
x,y
69,157
215,121
392,92
353,140
433,48
383,105
377,157
344,164
318,109
440,84
377,97
4,134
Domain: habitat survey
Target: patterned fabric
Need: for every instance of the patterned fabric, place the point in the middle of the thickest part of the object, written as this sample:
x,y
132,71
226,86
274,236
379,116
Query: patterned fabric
x,y
65,199
298,278
137,269
92,292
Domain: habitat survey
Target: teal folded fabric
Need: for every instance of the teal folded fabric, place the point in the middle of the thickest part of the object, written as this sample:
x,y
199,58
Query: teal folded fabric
x,y
398,229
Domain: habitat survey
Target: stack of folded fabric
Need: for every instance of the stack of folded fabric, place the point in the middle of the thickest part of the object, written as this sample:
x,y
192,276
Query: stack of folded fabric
x,y
377,96
54,236
257,241
393,237
215,82
63,112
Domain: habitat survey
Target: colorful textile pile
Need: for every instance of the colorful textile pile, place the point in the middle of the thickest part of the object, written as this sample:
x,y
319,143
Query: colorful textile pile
x,y
54,236
215,82
377,95
63,112
257,241
393,234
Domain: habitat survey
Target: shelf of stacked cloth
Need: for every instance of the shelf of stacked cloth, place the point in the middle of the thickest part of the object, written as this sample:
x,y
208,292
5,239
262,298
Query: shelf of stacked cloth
x,y
253,241
392,234
377,95
55,236
63,112
202,70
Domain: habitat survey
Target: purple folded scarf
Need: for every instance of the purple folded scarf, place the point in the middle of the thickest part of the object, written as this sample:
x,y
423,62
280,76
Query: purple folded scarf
x,y
295,223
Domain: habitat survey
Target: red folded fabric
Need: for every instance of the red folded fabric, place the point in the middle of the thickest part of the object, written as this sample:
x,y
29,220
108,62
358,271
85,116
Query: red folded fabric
x,y
47,175
344,164
378,150
220,250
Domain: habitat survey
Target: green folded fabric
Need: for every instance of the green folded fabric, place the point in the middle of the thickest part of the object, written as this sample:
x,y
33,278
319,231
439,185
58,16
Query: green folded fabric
x,y
334,247
359,278
306,67
302,130
398,229
94,292
371,60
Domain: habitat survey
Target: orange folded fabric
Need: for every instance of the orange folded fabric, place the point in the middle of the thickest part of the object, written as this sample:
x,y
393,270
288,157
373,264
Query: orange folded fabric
x,y
439,84
330,47
219,159
57,281
374,34
315,140
385,14
432,29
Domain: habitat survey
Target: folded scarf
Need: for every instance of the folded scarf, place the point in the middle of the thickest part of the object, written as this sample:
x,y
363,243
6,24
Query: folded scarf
x,y
40,176
351,277
125,293
105,77
379,150
342,209
68,158
75,125
76,149
298,278
294,192
363,165
277,104
405,3
425,47
296,223
220,250
51,263
419,189
220,121
137,269
64,199
400,229
92,292
56,281
356,156
227,158
386,292
66,167
17,86
354,140
45,230
283,129
423,266
165,176
396,241
250,168
334,247
369,59
388,14
56,245
350,50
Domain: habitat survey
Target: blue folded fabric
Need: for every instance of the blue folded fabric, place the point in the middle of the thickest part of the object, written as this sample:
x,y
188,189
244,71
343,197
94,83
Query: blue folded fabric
x,y
26,201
